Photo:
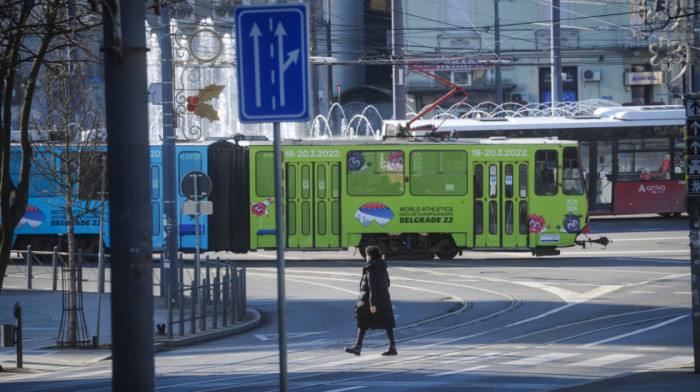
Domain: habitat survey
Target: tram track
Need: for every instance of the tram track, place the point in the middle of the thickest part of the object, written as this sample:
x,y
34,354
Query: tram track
x,y
351,365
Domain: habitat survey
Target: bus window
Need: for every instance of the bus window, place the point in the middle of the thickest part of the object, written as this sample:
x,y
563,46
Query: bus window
x,y
375,173
678,159
546,172
644,159
571,174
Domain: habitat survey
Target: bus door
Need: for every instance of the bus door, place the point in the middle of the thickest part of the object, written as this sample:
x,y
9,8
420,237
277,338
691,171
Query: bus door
x,y
500,204
313,205
597,164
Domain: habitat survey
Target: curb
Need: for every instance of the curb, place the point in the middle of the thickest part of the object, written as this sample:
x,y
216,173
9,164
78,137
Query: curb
x,y
253,320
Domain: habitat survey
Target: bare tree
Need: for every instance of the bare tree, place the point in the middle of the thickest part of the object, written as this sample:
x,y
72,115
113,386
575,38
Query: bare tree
x,y
30,31
69,159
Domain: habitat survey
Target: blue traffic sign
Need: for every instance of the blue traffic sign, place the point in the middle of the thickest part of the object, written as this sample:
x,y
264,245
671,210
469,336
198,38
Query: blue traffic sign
x,y
272,59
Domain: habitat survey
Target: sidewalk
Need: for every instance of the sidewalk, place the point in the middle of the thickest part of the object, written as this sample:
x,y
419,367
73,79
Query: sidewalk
x,y
41,319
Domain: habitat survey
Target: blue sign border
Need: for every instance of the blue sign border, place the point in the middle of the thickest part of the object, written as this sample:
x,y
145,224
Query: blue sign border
x,y
250,91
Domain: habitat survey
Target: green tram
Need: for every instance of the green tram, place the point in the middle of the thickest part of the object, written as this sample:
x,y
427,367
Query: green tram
x,y
415,199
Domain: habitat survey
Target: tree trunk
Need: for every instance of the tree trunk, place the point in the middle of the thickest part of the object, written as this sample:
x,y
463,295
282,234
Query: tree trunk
x,y
73,295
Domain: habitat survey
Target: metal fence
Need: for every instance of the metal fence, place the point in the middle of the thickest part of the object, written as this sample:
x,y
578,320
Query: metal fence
x,y
48,264
219,299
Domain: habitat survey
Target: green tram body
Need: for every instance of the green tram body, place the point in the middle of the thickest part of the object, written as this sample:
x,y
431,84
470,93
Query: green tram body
x,y
421,199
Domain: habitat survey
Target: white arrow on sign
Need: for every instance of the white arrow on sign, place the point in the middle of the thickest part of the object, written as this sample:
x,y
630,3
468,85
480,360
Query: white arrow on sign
x,y
256,34
283,65
695,145
695,127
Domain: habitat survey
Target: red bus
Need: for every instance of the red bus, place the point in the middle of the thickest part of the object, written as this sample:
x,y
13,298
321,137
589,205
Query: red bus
x,y
632,156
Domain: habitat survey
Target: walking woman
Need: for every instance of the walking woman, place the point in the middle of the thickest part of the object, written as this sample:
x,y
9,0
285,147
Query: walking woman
x,y
373,309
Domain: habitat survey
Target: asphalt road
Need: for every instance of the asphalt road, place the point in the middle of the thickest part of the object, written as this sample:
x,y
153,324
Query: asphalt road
x,y
486,322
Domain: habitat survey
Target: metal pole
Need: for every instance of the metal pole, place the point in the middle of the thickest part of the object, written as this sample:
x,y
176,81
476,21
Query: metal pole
x,y
555,46
101,253
18,329
497,39
129,194
279,231
196,229
29,266
397,41
168,149
694,214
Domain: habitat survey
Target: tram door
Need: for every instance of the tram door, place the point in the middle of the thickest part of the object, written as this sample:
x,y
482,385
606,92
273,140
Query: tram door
x,y
313,205
500,204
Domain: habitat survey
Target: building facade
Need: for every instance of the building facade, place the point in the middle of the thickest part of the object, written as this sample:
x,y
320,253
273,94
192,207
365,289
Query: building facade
x,y
604,50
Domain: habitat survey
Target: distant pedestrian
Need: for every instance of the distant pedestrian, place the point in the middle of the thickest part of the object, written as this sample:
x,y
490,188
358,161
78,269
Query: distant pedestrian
x,y
373,309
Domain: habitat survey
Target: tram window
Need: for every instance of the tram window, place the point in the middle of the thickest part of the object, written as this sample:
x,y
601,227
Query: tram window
x,y
493,217
522,218
264,169
291,188
493,180
522,180
479,217
375,173
89,175
321,181
155,218
478,181
571,174
509,217
438,173
155,182
644,159
546,172
305,182
509,180
43,162
291,218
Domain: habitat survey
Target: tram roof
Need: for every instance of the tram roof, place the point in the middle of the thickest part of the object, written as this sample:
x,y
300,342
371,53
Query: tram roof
x,y
496,140
613,117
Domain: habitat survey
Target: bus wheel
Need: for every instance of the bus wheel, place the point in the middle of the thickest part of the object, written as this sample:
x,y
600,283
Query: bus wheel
x,y
446,249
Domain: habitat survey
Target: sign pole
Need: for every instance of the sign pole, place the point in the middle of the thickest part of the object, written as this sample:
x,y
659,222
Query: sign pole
x,y
279,232
196,233
692,135
272,62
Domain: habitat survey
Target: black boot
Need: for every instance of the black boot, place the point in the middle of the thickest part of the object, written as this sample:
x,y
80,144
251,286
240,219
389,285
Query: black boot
x,y
392,346
353,350
390,351
357,348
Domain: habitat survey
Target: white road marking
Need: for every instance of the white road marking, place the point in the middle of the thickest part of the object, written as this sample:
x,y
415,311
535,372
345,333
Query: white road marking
x,y
540,359
635,332
458,371
673,361
605,360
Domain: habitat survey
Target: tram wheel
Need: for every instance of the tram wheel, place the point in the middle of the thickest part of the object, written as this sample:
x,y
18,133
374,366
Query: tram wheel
x,y
446,249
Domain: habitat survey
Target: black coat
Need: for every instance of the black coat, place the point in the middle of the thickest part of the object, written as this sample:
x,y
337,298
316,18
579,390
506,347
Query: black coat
x,y
374,291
